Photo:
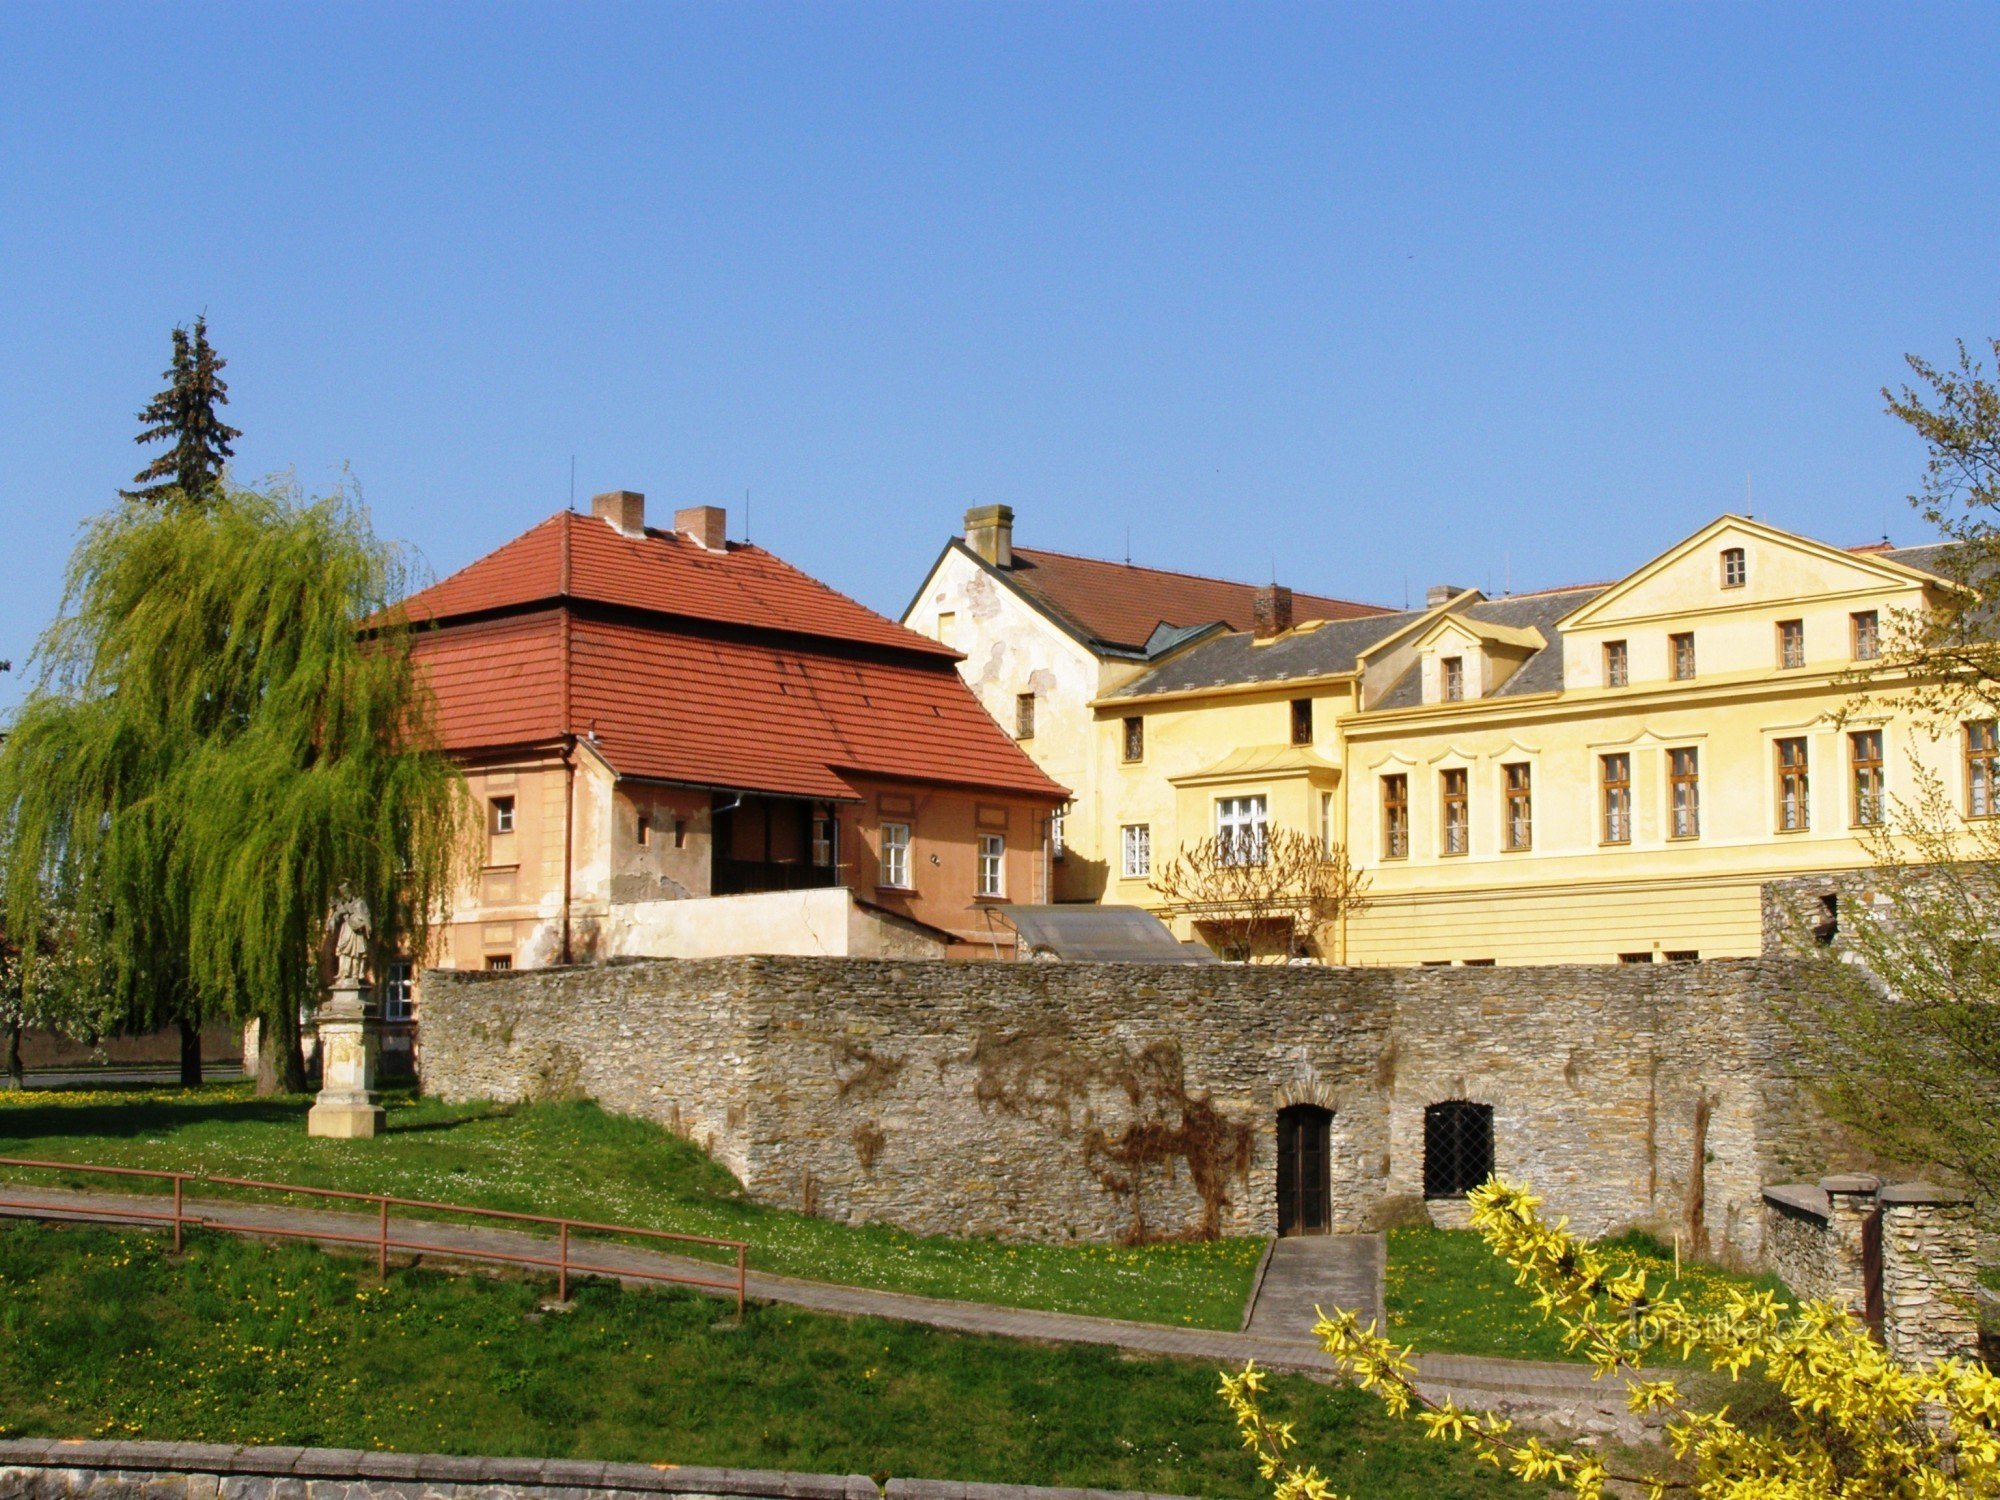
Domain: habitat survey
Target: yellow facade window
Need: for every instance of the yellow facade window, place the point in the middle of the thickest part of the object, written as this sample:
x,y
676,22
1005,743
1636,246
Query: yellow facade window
x,y
1615,774
1864,757
1134,740
1302,721
1791,643
1681,647
1865,634
1396,817
1982,758
1456,811
1735,568
1617,665
1451,677
1024,716
1520,823
1684,793
1794,787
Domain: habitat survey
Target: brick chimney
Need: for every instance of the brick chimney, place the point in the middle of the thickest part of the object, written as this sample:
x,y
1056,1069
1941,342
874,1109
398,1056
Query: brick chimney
x,y
624,509
1441,593
704,525
1272,610
989,531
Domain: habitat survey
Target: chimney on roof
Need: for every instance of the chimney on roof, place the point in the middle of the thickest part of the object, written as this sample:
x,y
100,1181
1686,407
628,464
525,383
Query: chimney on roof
x,y
1441,593
1272,610
989,531
704,525
625,510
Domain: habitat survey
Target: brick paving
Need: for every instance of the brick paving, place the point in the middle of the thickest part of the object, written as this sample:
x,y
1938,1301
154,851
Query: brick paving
x,y
1282,1342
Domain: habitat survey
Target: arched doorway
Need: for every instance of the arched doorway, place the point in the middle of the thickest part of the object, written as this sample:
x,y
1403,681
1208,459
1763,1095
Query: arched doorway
x,y
1304,1135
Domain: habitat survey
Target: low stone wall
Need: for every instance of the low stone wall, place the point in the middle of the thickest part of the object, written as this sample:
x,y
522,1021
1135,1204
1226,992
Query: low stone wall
x,y
39,1469
1101,1101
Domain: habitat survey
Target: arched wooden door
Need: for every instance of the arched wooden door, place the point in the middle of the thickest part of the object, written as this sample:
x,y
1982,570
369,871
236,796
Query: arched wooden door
x,y
1304,1134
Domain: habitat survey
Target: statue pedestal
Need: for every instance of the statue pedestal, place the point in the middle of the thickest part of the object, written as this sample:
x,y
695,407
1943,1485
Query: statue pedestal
x,y
350,1051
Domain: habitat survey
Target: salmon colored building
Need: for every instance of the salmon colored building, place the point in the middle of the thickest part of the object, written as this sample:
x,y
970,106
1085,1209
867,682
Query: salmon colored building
x,y
682,746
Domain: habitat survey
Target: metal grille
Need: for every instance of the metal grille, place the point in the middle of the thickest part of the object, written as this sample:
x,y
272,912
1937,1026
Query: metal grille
x,y
1458,1147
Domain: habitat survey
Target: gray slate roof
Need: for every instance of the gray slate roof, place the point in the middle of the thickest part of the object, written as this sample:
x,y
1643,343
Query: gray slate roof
x,y
1226,660
1540,673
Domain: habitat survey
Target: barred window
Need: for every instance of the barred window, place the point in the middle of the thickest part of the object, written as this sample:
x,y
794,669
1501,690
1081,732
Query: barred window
x,y
1458,1147
1024,716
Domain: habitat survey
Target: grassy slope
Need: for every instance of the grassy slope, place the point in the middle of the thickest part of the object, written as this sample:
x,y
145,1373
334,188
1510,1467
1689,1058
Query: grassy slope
x,y
575,1160
105,1334
1446,1292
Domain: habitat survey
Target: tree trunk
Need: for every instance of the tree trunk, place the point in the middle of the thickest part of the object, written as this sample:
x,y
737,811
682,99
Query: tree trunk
x,y
15,1076
190,1053
281,1061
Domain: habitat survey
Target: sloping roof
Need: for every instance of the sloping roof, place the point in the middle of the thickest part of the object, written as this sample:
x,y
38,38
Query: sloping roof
x,y
1100,934
670,667
1118,605
1540,673
1237,658
662,572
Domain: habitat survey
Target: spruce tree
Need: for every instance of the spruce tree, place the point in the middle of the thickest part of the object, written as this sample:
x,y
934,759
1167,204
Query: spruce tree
x,y
185,415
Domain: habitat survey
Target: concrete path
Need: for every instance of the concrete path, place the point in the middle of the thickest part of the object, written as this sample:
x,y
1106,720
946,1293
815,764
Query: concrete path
x,y
1307,1271
1283,1344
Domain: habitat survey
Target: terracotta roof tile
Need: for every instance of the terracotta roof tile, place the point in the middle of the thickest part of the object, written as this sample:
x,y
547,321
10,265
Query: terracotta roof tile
x,y
1121,605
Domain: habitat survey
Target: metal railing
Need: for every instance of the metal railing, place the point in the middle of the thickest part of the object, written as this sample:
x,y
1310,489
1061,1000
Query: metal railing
x,y
381,1240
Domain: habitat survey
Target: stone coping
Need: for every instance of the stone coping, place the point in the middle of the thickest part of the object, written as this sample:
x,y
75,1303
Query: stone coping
x,y
1920,1193
485,1473
1801,1198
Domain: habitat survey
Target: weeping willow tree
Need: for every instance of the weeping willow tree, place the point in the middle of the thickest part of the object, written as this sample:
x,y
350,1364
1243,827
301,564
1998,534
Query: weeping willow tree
x,y
227,729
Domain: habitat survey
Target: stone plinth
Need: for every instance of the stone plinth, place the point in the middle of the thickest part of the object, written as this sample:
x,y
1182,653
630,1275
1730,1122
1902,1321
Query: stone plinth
x,y
350,1053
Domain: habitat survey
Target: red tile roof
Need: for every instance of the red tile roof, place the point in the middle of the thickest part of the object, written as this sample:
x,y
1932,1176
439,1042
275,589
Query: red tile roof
x,y
729,670
1120,605
583,558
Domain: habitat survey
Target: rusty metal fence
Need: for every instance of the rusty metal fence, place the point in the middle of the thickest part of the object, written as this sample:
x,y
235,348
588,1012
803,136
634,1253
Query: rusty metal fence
x,y
381,1240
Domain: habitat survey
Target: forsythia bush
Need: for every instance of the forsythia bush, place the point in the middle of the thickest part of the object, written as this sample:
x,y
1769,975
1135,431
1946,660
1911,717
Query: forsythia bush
x,y
1862,1426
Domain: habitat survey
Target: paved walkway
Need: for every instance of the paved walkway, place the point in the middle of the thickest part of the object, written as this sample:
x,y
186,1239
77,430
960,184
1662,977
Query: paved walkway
x,y
1281,1344
1308,1271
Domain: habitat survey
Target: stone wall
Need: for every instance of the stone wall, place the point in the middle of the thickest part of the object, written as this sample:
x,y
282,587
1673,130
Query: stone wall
x,y
41,1469
1047,1101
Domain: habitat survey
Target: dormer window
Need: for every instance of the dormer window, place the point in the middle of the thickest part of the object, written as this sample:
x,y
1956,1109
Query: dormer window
x,y
1735,571
1451,678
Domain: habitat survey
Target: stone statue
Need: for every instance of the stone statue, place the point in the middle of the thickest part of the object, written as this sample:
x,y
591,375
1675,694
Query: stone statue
x,y
351,932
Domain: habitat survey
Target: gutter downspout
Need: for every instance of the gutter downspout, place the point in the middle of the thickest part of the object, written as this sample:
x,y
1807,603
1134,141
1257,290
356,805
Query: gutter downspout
x,y
569,751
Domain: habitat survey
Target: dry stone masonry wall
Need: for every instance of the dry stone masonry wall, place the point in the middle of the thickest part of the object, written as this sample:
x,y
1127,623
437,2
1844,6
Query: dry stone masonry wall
x,y
1118,1101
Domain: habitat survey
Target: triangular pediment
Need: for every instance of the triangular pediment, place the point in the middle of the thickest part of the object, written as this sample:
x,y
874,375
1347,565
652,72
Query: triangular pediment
x,y
1779,567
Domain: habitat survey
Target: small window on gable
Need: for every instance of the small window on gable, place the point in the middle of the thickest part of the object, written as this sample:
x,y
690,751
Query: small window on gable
x,y
1451,678
1024,716
1735,570
1302,721
947,628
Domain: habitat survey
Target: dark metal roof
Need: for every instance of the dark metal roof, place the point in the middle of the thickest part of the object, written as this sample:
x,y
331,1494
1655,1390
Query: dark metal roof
x,y
1099,934
1226,660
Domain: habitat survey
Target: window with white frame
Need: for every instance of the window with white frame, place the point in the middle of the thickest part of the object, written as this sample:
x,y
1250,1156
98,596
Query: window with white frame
x,y
399,992
896,855
992,864
1136,841
1240,826
1058,839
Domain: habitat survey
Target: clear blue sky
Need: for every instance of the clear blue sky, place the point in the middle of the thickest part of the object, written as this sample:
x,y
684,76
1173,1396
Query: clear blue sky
x,y
1374,295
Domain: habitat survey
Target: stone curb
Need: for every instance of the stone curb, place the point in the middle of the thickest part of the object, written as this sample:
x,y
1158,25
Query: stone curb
x,y
1257,1284
150,1461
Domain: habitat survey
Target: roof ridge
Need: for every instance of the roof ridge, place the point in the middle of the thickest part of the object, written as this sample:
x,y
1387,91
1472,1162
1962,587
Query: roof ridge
x,y
1197,577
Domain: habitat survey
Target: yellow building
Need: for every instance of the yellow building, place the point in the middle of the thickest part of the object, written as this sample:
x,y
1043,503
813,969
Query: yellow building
x,y
1583,775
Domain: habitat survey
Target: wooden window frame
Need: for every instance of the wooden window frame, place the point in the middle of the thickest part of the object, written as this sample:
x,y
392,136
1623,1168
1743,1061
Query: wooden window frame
x,y
1617,664
1794,767
1677,643
898,850
1396,815
1517,827
1132,739
1982,763
1454,797
1677,781
1735,561
1614,794
1791,645
1868,782
1451,679
992,862
1024,716
1302,721
1864,635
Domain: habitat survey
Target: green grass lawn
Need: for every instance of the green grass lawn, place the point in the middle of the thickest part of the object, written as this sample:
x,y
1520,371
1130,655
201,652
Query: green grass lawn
x,y
576,1160
1447,1293
107,1334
